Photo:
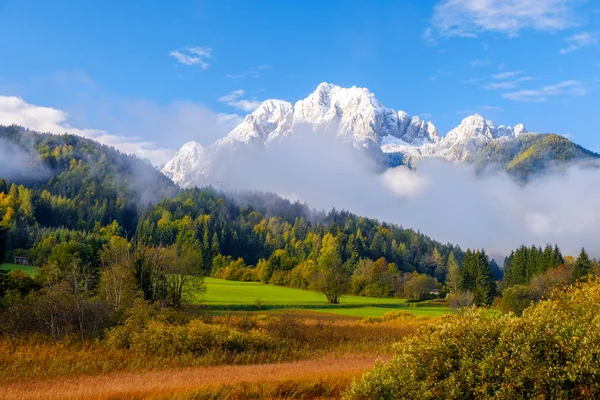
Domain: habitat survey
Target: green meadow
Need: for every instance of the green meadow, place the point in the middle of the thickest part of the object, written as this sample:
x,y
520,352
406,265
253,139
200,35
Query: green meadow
x,y
28,269
233,295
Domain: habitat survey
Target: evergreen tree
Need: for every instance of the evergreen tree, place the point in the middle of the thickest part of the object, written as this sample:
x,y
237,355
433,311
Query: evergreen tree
x,y
582,267
478,277
485,285
558,258
467,279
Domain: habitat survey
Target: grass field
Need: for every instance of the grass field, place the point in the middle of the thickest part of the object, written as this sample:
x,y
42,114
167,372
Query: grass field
x,y
28,269
223,294
379,311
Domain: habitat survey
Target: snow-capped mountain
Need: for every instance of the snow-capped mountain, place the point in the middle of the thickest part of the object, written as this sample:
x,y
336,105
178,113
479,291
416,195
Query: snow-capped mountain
x,y
355,116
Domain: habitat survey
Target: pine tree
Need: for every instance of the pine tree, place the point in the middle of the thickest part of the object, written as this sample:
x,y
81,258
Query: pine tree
x,y
467,278
558,258
582,267
485,285
548,258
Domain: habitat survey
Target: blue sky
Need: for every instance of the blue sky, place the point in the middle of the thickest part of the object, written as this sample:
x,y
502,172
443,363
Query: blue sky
x,y
149,76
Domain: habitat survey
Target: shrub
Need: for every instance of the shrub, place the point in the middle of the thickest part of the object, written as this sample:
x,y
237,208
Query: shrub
x,y
461,299
390,316
552,351
196,338
517,298
280,278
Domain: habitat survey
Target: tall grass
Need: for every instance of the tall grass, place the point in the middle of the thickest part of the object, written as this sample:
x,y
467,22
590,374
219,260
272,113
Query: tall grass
x,y
323,378
293,339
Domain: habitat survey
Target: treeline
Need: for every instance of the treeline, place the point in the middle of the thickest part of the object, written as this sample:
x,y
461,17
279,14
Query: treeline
x,y
526,262
240,243
532,274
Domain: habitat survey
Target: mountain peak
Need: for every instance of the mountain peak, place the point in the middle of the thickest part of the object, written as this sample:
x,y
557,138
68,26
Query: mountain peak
x,y
355,116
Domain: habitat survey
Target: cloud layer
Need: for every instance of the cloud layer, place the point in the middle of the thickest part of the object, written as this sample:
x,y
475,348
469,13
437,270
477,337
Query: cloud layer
x,y
446,201
469,18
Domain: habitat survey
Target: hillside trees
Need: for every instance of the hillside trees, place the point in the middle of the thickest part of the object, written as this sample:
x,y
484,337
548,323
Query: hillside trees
x,y
526,262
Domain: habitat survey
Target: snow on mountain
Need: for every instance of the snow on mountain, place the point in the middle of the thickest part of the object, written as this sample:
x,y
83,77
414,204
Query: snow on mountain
x,y
352,114
472,134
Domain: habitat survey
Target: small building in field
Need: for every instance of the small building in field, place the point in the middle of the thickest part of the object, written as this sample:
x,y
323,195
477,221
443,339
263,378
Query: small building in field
x,y
21,260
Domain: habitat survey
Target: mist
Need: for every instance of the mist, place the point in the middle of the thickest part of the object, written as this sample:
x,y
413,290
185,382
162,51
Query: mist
x,y
20,163
447,201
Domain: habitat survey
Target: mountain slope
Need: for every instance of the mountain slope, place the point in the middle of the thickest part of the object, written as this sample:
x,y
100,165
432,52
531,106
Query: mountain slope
x,y
391,138
531,154
78,182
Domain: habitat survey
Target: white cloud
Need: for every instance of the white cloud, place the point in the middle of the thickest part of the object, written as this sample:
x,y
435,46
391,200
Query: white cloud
x,y
468,18
232,119
233,99
193,55
579,40
564,88
506,75
507,84
14,110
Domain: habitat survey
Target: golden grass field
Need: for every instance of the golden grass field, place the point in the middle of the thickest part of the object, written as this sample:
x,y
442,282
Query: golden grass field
x,y
320,360
325,377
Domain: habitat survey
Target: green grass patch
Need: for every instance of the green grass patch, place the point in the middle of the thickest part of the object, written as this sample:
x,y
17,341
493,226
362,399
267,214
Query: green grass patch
x,y
28,269
379,311
232,293
224,295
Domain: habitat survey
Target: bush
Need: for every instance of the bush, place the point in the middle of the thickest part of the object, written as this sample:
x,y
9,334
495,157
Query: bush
x,y
517,298
196,338
390,316
280,278
552,351
459,300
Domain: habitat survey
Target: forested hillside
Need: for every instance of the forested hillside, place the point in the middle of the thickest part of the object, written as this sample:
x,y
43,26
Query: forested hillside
x,y
65,189
69,182
531,154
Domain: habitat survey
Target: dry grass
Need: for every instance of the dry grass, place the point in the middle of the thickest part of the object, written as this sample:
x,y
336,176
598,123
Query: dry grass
x,y
299,339
314,358
323,378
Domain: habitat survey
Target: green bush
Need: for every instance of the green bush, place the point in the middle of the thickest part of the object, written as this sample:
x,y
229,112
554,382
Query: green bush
x,y
552,351
517,298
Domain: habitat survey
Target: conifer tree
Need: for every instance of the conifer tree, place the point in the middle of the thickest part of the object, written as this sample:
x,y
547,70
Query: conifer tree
x,y
485,285
582,267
